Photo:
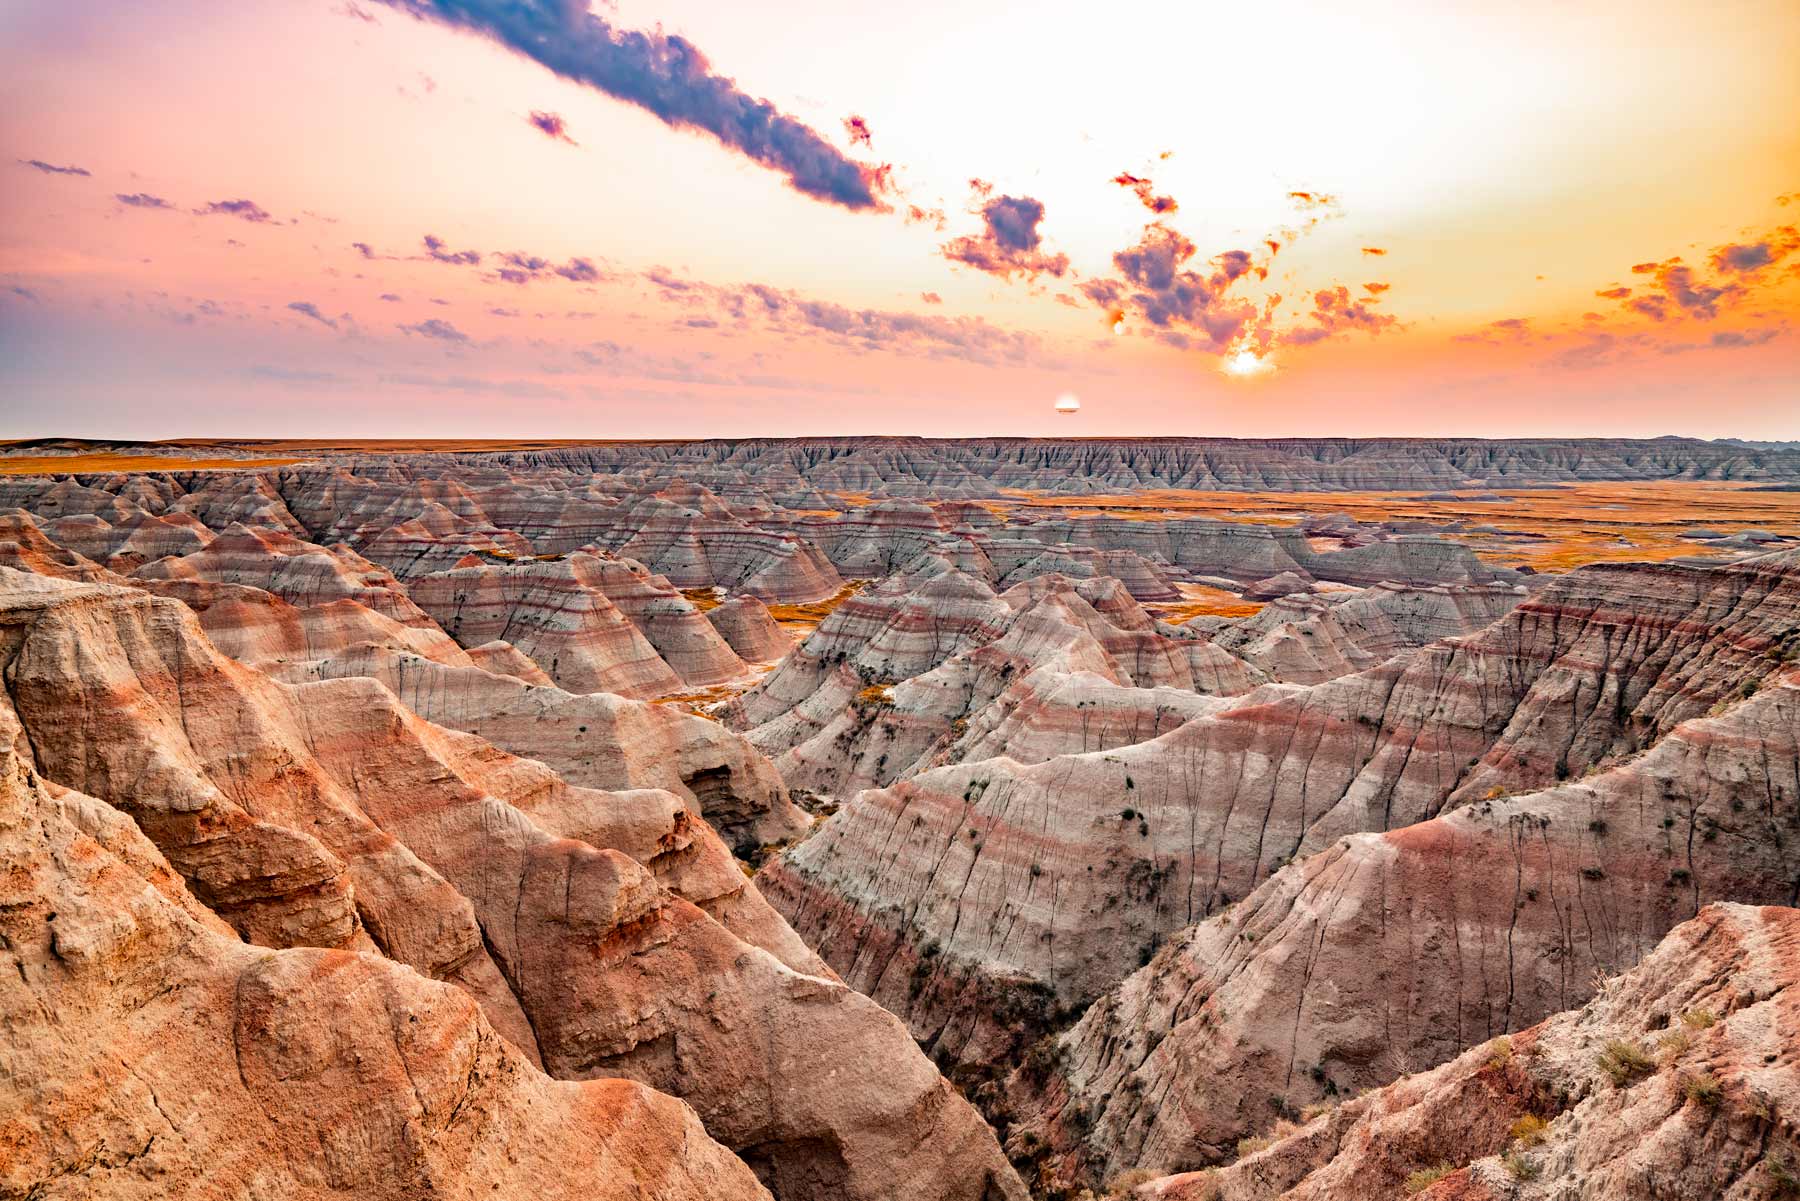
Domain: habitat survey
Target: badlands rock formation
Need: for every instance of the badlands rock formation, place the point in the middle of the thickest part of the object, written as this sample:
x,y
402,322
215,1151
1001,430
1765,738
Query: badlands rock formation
x,y
986,901
1679,1078
150,1053
601,935
408,804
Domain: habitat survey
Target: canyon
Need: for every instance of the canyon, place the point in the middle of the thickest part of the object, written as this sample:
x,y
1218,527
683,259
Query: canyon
x,y
900,819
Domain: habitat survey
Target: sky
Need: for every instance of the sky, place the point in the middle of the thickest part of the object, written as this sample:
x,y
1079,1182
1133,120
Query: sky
x,y
536,218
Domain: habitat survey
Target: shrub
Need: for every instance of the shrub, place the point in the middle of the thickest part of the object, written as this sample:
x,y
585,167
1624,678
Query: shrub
x,y
1705,1089
1528,1131
1250,1146
1123,1184
1674,1044
1699,1019
1499,1052
1624,1062
1520,1166
1423,1178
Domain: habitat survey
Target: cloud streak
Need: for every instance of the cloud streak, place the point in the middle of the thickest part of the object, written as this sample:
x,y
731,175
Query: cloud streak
x,y
243,210
1010,243
433,327
1145,191
38,164
142,200
552,126
307,308
667,76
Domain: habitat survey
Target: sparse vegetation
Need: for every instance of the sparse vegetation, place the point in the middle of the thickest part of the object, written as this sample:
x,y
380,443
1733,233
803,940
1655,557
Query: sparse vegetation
x,y
1528,1131
1250,1146
1423,1178
1704,1089
1520,1166
1623,1062
1699,1019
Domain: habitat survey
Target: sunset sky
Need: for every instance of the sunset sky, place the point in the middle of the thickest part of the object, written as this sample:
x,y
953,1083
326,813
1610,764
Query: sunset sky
x,y
358,217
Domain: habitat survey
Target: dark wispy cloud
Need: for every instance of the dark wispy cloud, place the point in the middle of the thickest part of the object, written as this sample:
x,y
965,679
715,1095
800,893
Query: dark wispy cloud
x,y
1211,303
52,169
578,270
666,75
296,375
858,130
1188,306
142,200
435,248
433,327
243,210
531,389
931,335
1749,258
307,308
390,297
1010,245
24,293
516,268
1673,289
1146,192
364,249
551,125
1336,312
1677,290
1495,333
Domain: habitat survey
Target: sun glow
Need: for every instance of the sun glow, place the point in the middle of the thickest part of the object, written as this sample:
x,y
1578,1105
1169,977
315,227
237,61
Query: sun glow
x,y
1245,363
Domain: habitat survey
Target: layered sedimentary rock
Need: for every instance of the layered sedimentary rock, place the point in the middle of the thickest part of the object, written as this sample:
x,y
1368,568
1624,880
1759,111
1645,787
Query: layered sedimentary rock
x,y
1307,639
554,613
595,740
328,815
745,623
293,569
691,536
981,466
150,1053
1680,1078
1384,953
898,677
1056,876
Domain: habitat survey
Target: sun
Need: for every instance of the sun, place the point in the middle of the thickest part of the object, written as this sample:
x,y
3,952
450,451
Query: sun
x,y
1245,362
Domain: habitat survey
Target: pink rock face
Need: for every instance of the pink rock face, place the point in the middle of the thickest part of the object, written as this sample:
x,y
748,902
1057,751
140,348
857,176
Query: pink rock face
x,y
1387,953
24,546
149,1052
329,815
1603,663
295,570
1711,1010
555,613
689,535
437,540
744,622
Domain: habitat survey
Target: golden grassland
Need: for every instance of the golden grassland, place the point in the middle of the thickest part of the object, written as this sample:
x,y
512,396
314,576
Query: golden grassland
x,y
105,461
1556,529
806,618
702,598
1202,600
